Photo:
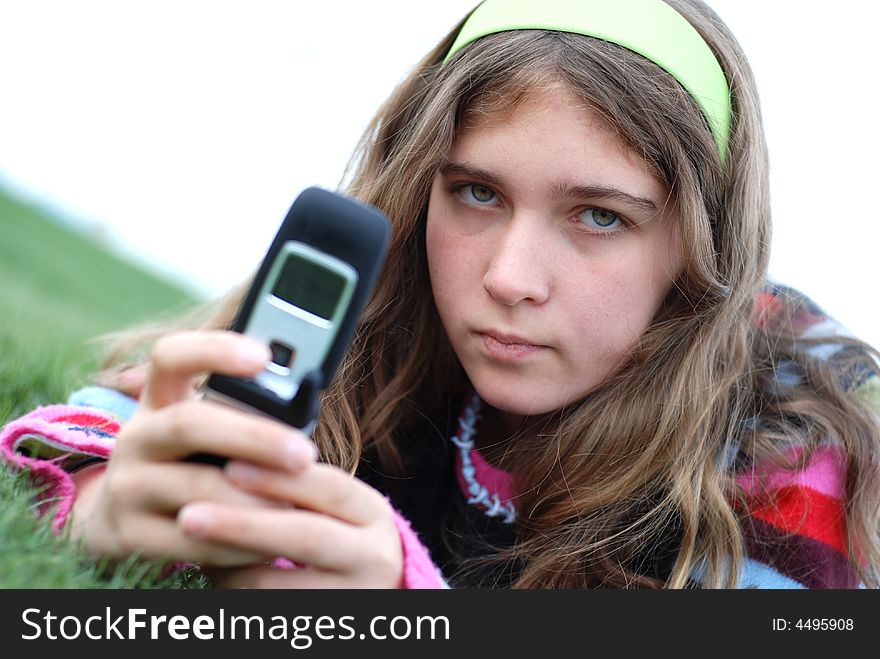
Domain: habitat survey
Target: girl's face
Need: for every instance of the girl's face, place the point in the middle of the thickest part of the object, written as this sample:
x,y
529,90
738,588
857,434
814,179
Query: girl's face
x,y
550,248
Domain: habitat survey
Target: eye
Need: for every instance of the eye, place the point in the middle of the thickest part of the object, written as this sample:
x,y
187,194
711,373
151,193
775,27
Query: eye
x,y
474,193
599,218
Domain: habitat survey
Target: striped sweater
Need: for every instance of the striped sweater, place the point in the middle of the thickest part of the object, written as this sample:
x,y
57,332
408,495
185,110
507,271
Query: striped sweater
x,y
794,520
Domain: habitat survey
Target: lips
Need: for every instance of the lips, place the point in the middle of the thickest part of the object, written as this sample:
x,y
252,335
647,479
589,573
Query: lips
x,y
506,347
511,339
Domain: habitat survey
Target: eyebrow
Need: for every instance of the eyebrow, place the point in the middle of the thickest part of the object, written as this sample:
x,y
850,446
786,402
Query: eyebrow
x,y
559,189
603,192
463,169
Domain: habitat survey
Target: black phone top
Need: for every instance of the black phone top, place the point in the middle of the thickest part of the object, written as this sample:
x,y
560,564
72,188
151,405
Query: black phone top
x,y
346,229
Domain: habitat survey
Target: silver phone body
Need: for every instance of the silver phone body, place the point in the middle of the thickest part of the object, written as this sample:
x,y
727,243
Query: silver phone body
x,y
298,313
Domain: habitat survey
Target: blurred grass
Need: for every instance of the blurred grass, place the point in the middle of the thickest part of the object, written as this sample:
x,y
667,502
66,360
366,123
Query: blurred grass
x,y
58,289
33,556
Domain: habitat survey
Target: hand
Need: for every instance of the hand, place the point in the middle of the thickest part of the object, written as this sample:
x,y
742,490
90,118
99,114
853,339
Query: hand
x,y
340,529
133,508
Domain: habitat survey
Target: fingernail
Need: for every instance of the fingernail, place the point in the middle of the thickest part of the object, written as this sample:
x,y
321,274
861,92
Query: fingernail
x,y
242,471
299,452
130,375
255,354
194,520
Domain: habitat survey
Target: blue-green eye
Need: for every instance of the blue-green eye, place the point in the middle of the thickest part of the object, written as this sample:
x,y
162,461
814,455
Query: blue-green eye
x,y
600,218
480,194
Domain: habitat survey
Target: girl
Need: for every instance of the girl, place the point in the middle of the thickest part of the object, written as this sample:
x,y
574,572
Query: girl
x,y
572,373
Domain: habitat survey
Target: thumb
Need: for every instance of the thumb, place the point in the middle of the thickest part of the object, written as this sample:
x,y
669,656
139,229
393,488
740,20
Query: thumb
x,y
178,358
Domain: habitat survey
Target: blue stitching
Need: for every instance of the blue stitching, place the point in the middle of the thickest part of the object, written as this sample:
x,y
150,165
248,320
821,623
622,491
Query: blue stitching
x,y
479,494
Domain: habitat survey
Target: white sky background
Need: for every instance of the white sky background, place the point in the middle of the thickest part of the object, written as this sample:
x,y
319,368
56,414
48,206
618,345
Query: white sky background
x,y
183,130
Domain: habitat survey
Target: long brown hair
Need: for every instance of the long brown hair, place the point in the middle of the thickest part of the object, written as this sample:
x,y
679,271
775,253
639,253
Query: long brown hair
x,y
634,467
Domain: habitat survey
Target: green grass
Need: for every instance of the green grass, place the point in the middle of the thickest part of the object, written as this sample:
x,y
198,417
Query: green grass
x,y
33,556
58,289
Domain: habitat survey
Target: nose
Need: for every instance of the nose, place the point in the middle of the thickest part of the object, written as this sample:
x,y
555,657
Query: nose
x,y
520,268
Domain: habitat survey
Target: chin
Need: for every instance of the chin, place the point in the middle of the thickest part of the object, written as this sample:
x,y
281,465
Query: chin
x,y
520,398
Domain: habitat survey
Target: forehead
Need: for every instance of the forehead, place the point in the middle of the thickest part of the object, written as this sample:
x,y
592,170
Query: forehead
x,y
531,109
557,129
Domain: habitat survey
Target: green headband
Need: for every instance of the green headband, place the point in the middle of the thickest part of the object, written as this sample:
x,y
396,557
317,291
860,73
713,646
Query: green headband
x,y
650,28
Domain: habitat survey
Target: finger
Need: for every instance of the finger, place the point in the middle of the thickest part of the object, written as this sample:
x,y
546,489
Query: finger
x,y
154,536
167,487
318,487
199,426
177,358
299,535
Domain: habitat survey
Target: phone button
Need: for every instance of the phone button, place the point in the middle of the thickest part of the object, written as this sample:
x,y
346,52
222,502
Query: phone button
x,y
282,354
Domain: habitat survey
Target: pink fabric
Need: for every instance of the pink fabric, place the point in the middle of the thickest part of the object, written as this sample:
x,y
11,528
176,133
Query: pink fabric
x,y
68,430
419,571
826,474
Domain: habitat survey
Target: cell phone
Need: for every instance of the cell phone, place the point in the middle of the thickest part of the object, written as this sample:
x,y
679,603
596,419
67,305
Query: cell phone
x,y
304,303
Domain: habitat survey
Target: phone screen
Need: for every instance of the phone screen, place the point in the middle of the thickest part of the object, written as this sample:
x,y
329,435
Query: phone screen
x,y
309,286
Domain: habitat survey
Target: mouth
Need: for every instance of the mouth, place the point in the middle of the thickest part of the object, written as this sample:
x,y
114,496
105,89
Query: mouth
x,y
508,347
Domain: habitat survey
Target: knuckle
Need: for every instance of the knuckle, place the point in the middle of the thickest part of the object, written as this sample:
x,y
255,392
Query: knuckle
x,y
119,487
181,420
339,497
389,557
161,352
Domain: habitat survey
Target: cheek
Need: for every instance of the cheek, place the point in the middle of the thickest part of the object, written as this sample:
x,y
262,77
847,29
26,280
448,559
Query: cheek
x,y
608,319
452,257
438,248
605,325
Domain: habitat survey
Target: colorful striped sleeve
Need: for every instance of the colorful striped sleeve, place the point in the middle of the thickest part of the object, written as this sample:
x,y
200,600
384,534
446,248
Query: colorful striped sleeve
x,y
795,524
49,442
794,521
